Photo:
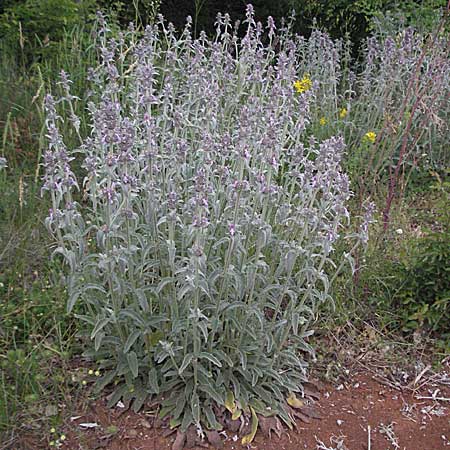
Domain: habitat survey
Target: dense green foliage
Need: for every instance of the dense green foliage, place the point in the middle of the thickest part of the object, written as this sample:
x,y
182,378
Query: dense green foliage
x,y
36,336
407,289
425,293
340,17
34,25
32,28
421,288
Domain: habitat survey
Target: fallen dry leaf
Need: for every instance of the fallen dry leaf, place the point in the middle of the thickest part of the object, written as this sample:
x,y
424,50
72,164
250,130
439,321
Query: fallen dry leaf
x,y
168,431
294,401
145,423
132,433
191,437
214,439
248,438
302,417
311,390
269,424
233,425
179,441
312,394
311,412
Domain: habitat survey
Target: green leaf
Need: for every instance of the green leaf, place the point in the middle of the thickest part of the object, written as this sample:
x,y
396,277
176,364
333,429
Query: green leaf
x,y
243,358
73,297
215,395
174,423
87,319
203,326
98,340
141,397
237,414
117,395
131,340
131,314
186,361
133,363
163,283
263,394
211,419
165,411
224,357
195,408
153,381
184,290
154,338
103,381
187,420
260,407
211,358
295,321
101,323
181,403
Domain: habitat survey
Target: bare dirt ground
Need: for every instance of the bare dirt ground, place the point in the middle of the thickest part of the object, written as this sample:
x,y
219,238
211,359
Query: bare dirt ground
x,y
361,413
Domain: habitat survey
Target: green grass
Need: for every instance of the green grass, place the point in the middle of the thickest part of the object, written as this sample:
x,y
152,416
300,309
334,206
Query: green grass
x,y
37,338
402,271
35,333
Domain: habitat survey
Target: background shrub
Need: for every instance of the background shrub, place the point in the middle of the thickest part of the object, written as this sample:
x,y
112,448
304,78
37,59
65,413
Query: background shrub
x,y
422,288
404,281
30,28
33,25
355,19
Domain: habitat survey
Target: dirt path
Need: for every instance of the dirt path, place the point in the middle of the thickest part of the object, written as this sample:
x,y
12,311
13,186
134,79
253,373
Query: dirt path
x,y
397,420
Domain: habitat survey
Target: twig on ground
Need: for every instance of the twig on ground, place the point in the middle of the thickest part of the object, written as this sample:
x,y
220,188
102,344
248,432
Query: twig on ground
x,y
334,440
421,374
388,430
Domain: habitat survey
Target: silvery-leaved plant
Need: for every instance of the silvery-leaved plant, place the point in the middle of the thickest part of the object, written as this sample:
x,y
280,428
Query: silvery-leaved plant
x,y
200,240
391,106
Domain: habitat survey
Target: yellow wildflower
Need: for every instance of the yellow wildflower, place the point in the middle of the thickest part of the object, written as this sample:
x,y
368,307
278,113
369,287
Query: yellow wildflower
x,y
303,85
343,113
51,443
62,437
97,373
370,136
90,372
323,121
52,430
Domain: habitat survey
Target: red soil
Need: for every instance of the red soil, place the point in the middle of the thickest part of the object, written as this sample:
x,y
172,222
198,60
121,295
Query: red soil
x,y
348,411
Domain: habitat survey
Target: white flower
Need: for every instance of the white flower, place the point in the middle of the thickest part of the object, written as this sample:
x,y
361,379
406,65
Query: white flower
x,y
399,231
